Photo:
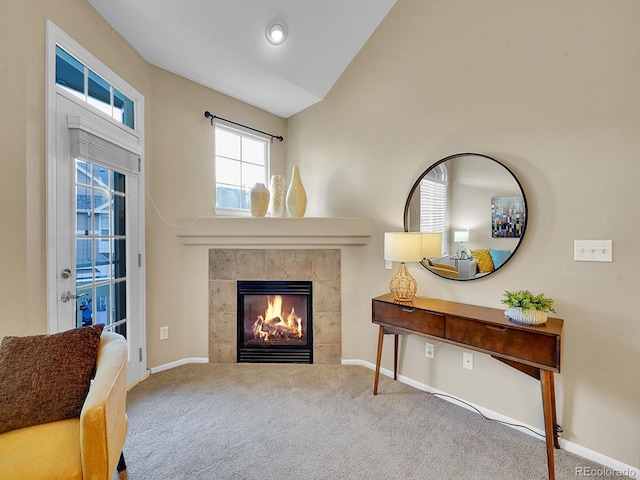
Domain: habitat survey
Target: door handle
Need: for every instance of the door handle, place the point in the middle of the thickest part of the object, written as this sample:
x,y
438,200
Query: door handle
x,y
66,296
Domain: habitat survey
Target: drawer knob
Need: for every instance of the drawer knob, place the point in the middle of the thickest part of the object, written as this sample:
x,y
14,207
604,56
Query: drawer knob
x,y
493,327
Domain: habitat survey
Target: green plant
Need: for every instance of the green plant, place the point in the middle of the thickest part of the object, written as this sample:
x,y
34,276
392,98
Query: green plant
x,y
527,301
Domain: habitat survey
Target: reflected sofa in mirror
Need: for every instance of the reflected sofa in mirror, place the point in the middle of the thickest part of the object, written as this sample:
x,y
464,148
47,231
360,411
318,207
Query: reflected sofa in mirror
x,y
473,197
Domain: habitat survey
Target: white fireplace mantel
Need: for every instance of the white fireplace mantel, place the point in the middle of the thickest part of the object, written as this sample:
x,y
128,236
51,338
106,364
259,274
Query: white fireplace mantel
x,y
224,231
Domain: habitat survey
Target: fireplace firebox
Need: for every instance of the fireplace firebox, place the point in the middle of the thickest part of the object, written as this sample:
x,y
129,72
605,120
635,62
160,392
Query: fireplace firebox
x,y
275,322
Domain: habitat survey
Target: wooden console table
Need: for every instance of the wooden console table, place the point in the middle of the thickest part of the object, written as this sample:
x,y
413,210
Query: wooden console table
x,y
532,349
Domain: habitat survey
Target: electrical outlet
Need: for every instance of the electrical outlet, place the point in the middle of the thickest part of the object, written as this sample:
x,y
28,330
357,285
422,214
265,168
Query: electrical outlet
x,y
467,360
164,333
388,264
430,350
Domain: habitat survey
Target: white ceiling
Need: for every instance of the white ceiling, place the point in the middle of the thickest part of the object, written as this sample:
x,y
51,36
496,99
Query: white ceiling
x,y
221,43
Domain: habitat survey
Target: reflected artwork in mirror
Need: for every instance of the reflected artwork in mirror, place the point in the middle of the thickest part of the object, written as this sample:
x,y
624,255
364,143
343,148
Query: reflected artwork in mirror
x,y
480,208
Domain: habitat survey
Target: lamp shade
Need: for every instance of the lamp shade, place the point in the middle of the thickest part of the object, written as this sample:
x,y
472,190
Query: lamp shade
x,y
461,236
431,245
403,246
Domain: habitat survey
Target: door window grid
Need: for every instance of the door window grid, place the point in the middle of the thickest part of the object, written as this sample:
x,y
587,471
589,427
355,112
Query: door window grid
x,y
241,161
101,273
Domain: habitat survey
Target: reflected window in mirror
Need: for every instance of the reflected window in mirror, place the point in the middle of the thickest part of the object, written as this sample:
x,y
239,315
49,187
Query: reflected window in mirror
x,y
432,211
459,194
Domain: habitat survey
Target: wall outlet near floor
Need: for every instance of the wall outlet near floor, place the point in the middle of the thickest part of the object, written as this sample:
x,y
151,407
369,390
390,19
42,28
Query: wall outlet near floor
x,y
164,333
467,360
430,350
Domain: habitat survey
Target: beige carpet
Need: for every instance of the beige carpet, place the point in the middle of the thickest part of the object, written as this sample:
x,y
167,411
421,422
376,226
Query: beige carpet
x,y
257,421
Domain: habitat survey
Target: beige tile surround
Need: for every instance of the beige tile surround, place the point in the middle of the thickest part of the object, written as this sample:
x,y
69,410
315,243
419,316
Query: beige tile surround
x,y
321,266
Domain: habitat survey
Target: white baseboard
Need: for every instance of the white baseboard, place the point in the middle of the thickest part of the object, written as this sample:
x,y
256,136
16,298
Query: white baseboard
x,y
178,363
613,466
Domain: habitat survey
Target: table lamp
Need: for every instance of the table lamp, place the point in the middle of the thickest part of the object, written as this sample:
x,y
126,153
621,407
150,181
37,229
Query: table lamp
x,y
461,236
403,247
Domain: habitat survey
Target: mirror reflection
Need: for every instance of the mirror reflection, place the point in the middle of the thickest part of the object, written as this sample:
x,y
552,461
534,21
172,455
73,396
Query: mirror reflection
x,y
479,207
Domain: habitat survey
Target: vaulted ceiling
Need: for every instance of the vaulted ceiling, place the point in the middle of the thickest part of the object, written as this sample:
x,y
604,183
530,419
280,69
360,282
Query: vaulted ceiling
x,y
222,44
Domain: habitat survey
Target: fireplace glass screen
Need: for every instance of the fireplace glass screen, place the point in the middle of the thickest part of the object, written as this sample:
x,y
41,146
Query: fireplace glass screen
x,y
274,322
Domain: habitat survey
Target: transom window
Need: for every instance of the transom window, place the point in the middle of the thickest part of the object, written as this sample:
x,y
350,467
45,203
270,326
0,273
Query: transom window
x,y
85,84
242,160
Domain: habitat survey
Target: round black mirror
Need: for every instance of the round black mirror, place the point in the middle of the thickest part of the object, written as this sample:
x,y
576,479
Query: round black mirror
x,y
479,207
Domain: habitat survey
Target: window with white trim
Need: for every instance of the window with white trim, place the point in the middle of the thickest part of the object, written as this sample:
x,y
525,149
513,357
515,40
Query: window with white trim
x,y
434,204
83,83
241,160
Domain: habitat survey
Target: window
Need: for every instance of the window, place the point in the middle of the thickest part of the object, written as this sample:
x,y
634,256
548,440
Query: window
x,y
242,160
434,208
85,84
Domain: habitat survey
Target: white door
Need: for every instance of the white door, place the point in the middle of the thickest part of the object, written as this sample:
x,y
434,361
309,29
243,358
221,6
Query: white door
x,y
97,243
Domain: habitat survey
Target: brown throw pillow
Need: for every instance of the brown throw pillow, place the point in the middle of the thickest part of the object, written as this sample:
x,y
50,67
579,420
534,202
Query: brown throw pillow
x,y
46,378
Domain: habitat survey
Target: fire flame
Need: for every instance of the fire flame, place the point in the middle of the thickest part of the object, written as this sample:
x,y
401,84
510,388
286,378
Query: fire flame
x,y
273,324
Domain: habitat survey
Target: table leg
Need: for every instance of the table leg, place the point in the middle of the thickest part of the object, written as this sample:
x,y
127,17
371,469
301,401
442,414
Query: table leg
x,y
378,359
395,357
548,405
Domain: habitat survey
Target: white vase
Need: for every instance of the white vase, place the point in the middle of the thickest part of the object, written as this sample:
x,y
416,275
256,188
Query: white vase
x,y
296,196
277,206
530,317
259,200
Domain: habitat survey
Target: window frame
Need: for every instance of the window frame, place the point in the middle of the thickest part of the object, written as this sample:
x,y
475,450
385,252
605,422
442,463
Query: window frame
x,y
228,211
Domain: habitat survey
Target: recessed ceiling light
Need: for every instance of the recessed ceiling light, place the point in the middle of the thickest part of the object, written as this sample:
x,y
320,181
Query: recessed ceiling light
x,y
276,31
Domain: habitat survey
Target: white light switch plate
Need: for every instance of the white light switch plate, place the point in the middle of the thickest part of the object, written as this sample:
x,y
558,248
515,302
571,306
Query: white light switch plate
x,y
593,250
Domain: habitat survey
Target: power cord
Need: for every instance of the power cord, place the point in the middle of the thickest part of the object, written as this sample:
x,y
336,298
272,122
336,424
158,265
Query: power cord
x,y
557,428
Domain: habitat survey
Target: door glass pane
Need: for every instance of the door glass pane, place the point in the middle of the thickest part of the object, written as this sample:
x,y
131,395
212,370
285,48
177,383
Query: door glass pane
x,y
83,211
84,262
83,173
119,216
84,307
118,182
120,303
100,177
101,208
102,259
103,303
101,245
119,257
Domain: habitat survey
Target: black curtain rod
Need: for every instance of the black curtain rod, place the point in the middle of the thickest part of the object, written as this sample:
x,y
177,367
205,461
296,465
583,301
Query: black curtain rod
x,y
210,115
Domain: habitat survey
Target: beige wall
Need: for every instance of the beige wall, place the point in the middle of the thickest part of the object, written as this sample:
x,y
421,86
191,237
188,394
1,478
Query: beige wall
x,y
550,88
180,172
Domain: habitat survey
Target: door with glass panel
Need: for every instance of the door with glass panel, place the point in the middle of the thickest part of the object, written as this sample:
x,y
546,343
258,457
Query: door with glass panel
x,y
95,197
98,264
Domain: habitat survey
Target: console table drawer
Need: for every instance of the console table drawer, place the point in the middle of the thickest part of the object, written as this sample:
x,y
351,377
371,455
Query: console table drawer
x,y
514,342
419,321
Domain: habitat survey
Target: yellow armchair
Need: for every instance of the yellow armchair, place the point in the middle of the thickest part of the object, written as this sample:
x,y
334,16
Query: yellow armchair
x,y
89,447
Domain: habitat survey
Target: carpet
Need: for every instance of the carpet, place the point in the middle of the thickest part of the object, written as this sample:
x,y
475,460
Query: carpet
x,y
280,422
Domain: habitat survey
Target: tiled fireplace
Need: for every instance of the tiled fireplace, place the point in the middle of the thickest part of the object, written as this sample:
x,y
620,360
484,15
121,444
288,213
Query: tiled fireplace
x,y
319,266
